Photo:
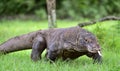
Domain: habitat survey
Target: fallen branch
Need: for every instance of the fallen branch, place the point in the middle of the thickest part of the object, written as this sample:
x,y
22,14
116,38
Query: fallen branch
x,y
99,20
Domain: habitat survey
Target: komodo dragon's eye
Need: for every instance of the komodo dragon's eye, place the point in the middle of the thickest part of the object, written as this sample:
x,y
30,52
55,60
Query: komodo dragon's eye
x,y
87,40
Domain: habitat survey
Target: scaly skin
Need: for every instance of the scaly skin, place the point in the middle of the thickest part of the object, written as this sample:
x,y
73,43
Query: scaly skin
x,y
68,43
62,42
18,43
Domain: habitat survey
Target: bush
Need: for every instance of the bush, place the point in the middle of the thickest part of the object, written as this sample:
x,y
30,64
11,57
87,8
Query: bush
x,y
41,13
89,8
108,38
73,9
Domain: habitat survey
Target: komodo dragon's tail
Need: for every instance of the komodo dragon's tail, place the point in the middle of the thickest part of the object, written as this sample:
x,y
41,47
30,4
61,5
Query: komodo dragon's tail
x,y
18,43
12,45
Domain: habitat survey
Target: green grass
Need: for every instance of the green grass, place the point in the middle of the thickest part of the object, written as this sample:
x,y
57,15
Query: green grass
x,y
107,33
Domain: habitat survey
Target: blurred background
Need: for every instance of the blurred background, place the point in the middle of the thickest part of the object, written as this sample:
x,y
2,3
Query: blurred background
x,y
66,9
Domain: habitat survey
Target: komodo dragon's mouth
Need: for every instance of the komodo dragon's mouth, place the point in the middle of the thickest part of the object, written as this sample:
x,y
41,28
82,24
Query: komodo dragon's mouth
x,y
95,51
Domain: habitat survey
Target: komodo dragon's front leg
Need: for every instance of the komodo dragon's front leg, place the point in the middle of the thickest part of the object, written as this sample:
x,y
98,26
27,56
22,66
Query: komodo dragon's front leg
x,y
38,47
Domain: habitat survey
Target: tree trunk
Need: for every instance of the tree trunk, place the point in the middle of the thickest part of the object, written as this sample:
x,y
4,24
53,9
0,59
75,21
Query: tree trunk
x,y
51,7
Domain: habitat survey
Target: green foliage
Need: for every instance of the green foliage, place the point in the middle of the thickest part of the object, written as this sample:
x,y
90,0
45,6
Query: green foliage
x,y
41,13
100,33
71,9
89,8
108,35
14,7
118,27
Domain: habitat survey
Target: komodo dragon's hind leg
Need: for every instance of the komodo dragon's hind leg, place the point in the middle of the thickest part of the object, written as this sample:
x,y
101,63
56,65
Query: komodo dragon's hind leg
x,y
38,47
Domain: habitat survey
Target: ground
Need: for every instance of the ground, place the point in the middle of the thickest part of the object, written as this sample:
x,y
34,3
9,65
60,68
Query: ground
x,y
106,32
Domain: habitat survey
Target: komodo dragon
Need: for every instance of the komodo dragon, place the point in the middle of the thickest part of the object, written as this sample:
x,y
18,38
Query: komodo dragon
x,y
60,43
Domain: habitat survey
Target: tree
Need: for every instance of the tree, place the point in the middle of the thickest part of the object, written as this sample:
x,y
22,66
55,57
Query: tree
x,y
51,7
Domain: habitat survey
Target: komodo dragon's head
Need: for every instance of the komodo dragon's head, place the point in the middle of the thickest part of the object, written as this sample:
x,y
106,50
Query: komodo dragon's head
x,y
88,42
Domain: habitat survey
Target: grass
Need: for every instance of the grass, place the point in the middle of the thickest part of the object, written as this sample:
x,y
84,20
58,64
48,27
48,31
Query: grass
x,y
107,33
